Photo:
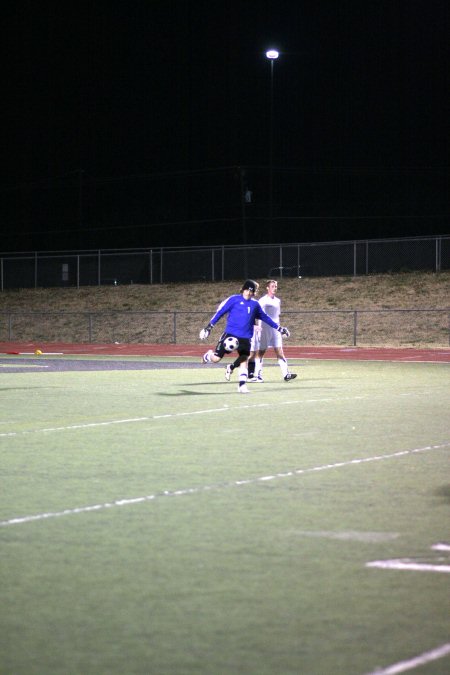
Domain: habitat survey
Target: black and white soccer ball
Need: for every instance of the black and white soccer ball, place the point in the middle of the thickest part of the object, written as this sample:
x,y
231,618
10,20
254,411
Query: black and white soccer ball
x,y
230,344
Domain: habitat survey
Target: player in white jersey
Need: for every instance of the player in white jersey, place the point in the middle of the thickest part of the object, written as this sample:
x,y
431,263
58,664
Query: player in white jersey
x,y
264,337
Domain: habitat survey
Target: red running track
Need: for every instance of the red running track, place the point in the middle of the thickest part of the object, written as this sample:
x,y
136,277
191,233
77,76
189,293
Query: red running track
x,y
292,352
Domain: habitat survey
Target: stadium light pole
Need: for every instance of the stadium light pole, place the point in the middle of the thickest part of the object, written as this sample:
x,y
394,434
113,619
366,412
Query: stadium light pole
x,y
272,55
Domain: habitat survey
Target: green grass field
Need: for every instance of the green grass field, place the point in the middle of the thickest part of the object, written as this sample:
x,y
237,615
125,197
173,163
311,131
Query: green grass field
x,y
157,522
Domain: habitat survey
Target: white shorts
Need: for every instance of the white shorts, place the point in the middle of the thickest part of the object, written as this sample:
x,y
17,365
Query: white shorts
x,y
255,341
267,337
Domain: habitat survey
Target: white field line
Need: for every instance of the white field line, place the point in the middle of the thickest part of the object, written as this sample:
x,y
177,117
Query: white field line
x,y
441,546
415,565
23,365
408,564
415,662
150,418
220,486
225,408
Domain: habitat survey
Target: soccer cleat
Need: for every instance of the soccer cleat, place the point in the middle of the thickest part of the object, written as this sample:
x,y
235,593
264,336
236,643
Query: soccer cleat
x,y
290,376
228,371
243,389
256,379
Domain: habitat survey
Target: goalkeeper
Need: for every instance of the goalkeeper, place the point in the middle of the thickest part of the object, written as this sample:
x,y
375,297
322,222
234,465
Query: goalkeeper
x,y
242,310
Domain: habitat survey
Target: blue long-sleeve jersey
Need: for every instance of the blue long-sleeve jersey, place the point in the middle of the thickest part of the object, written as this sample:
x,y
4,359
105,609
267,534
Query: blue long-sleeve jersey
x,y
242,314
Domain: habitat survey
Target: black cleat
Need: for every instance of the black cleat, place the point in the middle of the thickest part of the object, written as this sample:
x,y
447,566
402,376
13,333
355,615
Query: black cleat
x,y
290,376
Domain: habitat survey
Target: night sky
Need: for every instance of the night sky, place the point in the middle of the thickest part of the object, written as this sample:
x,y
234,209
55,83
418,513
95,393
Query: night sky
x,y
142,123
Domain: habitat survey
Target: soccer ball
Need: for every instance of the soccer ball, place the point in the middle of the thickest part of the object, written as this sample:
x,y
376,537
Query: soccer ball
x,y
230,344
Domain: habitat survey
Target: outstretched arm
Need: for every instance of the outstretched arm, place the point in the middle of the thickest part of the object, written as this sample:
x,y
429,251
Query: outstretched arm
x,y
267,319
223,309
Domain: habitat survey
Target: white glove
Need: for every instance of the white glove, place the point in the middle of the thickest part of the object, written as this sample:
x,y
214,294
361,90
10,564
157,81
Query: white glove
x,y
204,333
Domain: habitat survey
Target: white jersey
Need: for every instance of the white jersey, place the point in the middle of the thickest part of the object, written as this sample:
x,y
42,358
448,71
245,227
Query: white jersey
x,y
268,337
271,306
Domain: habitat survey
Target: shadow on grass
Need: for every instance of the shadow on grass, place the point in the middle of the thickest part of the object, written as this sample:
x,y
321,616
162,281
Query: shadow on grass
x,y
444,492
233,389
187,392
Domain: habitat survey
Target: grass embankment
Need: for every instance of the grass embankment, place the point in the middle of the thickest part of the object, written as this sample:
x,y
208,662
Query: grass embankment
x,y
116,311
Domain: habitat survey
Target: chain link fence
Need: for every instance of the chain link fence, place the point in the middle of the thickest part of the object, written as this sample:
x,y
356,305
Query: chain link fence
x,y
223,263
395,327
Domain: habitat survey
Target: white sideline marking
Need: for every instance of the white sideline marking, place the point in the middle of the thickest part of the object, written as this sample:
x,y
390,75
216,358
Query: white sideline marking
x,y
408,564
350,535
90,425
414,564
415,662
218,486
441,546
207,411
22,365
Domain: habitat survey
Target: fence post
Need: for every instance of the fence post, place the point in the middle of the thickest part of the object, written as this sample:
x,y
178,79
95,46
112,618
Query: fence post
x,y
438,254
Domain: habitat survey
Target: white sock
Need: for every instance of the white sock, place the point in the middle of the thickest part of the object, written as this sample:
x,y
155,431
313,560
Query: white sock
x,y
243,374
258,367
284,366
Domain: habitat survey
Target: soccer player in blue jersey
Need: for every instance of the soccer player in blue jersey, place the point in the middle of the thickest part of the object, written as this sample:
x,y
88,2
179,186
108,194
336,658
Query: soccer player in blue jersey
x,y
242,310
